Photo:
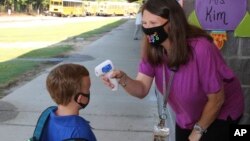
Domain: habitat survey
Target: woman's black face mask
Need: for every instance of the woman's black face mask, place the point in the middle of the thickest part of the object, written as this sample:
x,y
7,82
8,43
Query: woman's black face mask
x,y
156,35
85,95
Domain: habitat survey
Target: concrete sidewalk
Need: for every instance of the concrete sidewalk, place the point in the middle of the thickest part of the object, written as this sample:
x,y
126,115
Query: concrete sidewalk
x,y
115,116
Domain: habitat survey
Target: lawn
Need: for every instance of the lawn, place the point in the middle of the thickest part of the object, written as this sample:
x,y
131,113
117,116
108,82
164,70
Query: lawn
x,y
51,33
11,68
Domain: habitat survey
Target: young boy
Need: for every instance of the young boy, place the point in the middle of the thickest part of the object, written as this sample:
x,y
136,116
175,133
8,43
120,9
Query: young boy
x,y
68,86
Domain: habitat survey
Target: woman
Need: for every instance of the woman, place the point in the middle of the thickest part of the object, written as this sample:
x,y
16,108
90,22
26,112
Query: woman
x,y
205,94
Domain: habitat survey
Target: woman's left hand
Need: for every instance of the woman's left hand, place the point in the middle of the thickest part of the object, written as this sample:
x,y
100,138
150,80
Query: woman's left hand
x,y
194,136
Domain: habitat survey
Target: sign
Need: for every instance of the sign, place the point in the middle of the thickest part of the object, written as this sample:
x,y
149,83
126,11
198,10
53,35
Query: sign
x,y
220,14
219,38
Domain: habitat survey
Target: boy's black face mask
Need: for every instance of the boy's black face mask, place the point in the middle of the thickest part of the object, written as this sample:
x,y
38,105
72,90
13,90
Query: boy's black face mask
x,y
85,95
156,35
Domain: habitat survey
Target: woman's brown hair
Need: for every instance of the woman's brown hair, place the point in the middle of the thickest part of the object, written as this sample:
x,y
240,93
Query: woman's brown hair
x,y
178,33
65,81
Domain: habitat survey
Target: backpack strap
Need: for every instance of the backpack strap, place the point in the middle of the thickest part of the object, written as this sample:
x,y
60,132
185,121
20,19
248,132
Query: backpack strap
x,y
41,122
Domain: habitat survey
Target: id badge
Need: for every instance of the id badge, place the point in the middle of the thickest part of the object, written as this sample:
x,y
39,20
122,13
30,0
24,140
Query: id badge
x,y
161,133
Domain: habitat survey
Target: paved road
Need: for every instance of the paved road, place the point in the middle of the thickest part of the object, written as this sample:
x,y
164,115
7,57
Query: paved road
x,y
115,116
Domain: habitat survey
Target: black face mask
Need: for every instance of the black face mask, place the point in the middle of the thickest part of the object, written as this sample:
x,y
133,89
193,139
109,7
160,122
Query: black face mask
x,y
156,35
85,95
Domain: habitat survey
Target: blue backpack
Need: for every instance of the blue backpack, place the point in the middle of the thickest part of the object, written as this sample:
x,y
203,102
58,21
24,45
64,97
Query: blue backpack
x,y
42,122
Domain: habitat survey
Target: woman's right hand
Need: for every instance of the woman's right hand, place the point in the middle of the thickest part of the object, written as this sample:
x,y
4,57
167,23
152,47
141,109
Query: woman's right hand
x,y
115,74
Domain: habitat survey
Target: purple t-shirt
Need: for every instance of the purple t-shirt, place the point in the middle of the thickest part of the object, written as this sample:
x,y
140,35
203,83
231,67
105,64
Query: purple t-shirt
x,y
204,74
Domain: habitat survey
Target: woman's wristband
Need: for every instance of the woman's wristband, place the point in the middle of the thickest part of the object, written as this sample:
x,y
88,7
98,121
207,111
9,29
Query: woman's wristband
x,y
199,129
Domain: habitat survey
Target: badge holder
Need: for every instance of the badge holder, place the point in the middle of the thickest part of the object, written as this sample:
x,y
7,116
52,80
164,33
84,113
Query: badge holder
x,y
161,132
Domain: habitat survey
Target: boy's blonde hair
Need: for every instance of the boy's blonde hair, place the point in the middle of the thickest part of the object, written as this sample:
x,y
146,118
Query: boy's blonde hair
x,y
65,81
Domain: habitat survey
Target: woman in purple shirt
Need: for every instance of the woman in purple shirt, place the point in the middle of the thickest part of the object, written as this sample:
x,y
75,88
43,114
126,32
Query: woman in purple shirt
x,y
205,95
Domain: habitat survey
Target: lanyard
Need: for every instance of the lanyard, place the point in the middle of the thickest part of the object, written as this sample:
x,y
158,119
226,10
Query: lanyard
x,y
162,100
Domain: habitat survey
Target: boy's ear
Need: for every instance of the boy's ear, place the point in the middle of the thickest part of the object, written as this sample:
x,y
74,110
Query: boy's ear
x,y
79,97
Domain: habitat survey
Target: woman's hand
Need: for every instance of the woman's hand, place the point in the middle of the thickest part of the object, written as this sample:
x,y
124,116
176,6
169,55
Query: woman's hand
x,y
194,136
138,87
115,74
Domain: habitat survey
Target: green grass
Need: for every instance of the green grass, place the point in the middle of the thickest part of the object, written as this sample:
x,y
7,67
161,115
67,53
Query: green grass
x,y
11,70
10,53
47,52
7,53
103,29
50,33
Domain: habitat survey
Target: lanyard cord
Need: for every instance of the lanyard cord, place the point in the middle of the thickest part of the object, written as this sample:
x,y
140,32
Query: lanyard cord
x,y
166,91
